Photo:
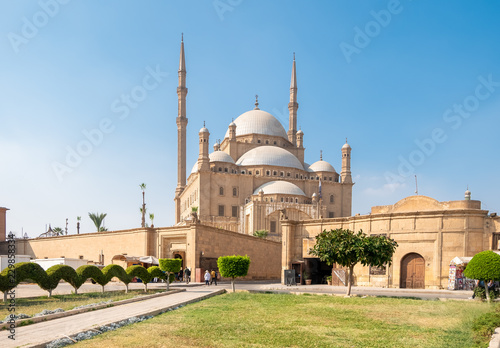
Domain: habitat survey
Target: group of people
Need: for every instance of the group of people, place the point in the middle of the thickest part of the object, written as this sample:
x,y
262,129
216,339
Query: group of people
x,y
184,275
480,284
211,277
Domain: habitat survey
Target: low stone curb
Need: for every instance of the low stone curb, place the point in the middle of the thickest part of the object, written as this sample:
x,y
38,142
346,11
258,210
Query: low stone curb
x,y
152,313
495,339
41,318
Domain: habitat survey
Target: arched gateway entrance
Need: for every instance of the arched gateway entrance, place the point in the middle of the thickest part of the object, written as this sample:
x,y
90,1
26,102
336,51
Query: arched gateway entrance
x,y
413,271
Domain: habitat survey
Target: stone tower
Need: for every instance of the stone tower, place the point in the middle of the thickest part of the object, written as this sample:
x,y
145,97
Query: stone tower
x,y
345,174
292,107
203,159
181,121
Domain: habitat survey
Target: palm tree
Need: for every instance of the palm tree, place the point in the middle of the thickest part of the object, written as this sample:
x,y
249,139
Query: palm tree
x,y
58,231
152,217
143,209
97,219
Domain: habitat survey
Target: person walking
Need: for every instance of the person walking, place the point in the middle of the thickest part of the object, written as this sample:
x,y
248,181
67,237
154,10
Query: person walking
x,y
207,277
213,274
187,275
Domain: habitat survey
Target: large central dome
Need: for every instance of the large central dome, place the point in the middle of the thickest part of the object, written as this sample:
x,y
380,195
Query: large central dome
x,y
258,122
269,156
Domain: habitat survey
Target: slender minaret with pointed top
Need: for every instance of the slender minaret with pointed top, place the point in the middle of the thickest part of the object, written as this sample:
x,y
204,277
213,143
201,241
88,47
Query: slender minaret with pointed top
x,y
292,107
181,121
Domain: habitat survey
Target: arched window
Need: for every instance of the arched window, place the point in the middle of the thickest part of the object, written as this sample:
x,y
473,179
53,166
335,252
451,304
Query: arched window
x,y
331,198
221,191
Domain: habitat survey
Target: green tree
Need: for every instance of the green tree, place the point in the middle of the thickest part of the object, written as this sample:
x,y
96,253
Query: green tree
x,y
152,218
261,233
58,231
170,266
484,266
233,267
347,249
98,219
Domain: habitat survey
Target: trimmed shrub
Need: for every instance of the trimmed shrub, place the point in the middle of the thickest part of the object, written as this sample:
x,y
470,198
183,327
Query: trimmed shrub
x,y
156,272
233,266
90,271
170,266
141,273
484,266
57,272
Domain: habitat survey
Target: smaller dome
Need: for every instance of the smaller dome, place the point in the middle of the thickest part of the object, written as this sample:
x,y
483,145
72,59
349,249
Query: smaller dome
x,y
314,195
346,146
280,188
300,131
220,156
203,130
321,166
232,124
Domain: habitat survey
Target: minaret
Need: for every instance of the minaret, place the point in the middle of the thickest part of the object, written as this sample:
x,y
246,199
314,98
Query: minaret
x,y
300,138
345,173
181,121
203,159
292,107
467,194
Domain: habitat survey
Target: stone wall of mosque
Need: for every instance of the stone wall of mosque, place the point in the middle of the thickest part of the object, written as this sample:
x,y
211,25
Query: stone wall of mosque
x,y
89,246
436,232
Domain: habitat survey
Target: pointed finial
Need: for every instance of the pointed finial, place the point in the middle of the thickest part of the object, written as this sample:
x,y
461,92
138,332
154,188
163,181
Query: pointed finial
x,y
203,124
293,55
256,102
320,155
346,140
182,37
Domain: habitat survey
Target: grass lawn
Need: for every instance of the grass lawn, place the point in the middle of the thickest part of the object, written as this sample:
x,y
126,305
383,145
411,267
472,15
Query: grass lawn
x,y
272,320
35,305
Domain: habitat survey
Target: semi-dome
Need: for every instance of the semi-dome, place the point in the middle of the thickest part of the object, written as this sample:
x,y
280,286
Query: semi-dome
x,y
195,168
321,166
220,156
258,122
269,156
280,188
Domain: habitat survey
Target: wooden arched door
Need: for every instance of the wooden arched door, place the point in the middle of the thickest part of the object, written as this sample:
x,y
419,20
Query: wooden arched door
x,y
413,271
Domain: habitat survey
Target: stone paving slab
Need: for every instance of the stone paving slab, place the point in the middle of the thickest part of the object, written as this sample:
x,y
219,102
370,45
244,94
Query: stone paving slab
x,y
39,334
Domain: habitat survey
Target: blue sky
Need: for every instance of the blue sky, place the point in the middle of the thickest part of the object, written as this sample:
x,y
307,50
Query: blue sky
x,y
413,85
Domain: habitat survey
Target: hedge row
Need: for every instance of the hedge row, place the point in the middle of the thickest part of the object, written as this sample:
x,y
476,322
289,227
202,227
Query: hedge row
x,y
48,280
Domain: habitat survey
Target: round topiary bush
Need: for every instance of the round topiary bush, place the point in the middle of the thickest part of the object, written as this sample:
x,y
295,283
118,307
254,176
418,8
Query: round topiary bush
x,y
484,266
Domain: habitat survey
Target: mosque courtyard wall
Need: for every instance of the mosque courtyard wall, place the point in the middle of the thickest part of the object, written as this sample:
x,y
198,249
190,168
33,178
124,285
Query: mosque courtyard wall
x,y
433,232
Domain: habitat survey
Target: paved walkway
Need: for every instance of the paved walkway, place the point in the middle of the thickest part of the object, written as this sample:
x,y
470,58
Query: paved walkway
x,y
45,332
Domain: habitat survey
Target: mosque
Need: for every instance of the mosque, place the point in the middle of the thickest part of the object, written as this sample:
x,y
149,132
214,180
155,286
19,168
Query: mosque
x,y
256,179
257,173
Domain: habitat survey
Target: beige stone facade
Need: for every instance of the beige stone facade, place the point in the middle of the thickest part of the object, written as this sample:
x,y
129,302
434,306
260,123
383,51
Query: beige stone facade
x,y
199,246
257,173
428,232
